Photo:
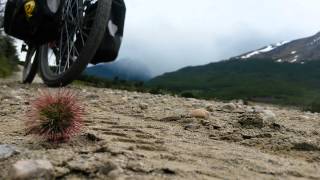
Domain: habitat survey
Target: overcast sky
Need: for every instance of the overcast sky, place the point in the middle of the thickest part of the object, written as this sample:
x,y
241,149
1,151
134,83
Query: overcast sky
x,y
169,34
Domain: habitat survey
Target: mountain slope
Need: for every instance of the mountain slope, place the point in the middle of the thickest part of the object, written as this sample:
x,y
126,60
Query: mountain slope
x,y
297,51
255,79
123,69
286,73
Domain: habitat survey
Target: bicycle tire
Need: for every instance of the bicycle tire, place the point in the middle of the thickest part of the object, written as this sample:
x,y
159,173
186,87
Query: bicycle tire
x,y
30,67
88,51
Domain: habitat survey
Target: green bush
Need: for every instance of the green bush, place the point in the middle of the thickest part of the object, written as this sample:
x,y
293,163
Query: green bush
x,y
155,90
116,83
313,107
8,56
187,94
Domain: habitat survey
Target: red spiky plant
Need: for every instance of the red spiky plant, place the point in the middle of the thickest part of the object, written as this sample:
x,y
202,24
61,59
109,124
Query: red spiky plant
x,y
55,117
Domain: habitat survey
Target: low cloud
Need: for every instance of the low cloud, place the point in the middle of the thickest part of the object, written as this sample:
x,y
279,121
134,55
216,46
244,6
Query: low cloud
x,y
167,35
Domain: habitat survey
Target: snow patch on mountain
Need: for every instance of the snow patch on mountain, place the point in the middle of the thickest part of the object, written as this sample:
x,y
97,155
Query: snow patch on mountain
x,y
264,50
294,59
315,41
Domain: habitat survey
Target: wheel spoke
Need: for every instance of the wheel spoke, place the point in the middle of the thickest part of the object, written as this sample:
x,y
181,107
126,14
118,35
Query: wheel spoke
x,y
74,32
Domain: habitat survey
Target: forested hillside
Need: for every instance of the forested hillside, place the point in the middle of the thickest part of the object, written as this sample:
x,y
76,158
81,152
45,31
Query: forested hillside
x,y
254,79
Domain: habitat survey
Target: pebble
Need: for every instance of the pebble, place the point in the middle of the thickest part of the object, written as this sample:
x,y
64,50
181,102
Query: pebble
x,y
32,169
229,107
92,96
258,109
191,126
61,171
125,99
302,117
251,120
143,106
200,113
82,165
259,120
108,167
249,109
268,116
6,151
115,174
210,108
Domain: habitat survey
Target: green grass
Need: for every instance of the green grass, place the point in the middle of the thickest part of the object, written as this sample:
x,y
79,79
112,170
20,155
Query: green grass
x,y
8,57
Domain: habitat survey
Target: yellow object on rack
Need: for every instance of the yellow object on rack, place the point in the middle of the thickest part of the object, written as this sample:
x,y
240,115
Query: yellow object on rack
x,y
29,8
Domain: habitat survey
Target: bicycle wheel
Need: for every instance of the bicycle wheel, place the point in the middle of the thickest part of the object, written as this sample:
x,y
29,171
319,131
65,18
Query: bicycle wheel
x,y
81,33
30,67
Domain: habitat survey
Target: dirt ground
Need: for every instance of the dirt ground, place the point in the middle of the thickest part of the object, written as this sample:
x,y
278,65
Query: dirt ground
x,y
130,135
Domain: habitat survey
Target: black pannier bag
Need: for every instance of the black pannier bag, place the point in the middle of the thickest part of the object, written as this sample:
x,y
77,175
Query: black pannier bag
x,y
32,21
110,46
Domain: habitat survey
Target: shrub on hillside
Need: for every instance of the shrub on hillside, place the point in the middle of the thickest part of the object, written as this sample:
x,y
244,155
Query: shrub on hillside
x,y
8,56
314,106
188,94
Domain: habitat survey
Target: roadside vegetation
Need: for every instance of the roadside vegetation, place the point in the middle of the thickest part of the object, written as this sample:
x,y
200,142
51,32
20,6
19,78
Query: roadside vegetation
x,y
253,80
8,56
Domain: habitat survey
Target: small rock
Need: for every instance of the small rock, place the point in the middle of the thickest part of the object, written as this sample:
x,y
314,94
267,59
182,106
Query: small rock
x,y
61,171
251,120
210,108
82,165
305,118
229,107
171,118
125,99
143,106
32,169
189,120
115,174
258,109
84,90
191,126
137,166
268,116
276,126
164,100
93,137
205,122
6,151
305,146
107,167
132,148
234,137
264,135
249,109
258,120
200,113
92,96
240,102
